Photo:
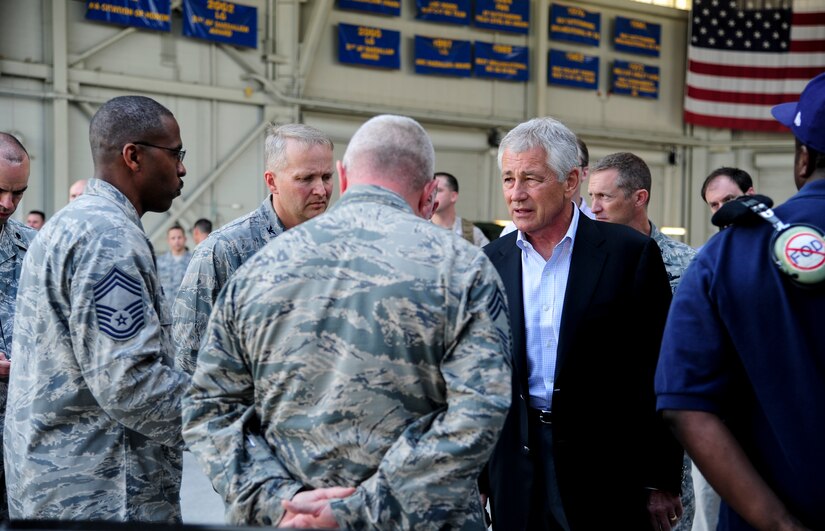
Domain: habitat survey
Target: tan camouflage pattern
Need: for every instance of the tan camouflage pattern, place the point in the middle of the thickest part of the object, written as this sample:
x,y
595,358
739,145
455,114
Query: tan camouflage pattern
x,y
676,256
213,262
366,347
14,240
93,421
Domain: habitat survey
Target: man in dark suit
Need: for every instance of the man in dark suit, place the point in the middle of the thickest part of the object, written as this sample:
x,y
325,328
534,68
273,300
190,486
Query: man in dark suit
x,y
582,446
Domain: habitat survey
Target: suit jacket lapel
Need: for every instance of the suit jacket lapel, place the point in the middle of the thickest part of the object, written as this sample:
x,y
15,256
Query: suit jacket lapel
x,y
585,269
508,263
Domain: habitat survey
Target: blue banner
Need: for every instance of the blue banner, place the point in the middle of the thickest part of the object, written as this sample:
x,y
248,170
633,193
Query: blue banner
x,y
443,56
384,7
638,36
149,14
453,12
635,79
220,21
501,61
363,45
503,15
574,24
570,69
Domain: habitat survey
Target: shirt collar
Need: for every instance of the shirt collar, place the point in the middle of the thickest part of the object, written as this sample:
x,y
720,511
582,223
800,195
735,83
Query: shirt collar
x,y
374,194
570,235
106,190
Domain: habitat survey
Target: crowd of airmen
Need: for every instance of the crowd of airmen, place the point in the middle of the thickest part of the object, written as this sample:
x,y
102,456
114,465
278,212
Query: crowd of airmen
x,y
353,369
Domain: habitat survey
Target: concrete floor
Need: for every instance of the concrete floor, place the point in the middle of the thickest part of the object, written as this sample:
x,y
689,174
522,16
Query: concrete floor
x,y
200,504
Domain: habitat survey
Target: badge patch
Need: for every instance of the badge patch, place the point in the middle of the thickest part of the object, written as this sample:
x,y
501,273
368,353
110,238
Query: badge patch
x,y
119,305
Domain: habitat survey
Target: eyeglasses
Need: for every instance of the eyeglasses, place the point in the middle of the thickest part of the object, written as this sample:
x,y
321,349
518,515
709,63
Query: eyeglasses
x,y
179,153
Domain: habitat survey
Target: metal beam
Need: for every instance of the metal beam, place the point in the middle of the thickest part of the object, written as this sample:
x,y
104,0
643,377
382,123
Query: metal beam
x,y
308,48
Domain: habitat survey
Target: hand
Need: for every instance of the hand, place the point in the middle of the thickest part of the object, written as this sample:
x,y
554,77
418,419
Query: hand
x,y
5,366
311,509
665,509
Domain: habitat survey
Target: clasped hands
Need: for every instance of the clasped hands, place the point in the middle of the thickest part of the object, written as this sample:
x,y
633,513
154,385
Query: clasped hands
x,y
311,508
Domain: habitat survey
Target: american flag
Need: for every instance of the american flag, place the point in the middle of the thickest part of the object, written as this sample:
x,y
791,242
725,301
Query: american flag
x,y
745,57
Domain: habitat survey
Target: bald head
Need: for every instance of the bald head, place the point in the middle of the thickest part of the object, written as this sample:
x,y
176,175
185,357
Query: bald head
x,y
77,189
14,174
393,150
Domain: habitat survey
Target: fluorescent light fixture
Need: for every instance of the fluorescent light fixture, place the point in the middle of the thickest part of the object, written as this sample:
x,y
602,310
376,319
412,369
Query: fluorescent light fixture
x,y
674,231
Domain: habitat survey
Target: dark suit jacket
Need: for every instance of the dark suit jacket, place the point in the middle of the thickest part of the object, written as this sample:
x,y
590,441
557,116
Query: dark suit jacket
x,y
609,443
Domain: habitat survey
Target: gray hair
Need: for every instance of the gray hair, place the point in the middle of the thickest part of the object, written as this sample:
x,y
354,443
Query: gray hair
x,y
396,147
11,150
632,172
559,143
278,135
122,120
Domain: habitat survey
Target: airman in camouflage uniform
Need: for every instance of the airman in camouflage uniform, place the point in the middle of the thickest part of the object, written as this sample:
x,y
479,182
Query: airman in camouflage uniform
x,y
93,423
676,255
299,176
172,267
358,365
14,240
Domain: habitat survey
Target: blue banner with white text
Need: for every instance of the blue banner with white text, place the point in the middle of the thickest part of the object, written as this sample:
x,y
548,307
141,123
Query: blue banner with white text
x,y
637,36
148,14
368,46
383,7
446,57
503,15
635,79
570,69
574,24
452,12
221,21
501,61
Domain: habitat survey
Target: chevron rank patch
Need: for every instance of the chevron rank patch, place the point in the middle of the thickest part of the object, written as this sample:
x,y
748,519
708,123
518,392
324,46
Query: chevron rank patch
x,y
119,305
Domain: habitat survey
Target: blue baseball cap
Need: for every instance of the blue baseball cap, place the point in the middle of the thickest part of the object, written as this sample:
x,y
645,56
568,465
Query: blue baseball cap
x,y
806,117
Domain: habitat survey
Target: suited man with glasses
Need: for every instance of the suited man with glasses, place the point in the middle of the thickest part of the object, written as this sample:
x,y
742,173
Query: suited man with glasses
x,y
94,427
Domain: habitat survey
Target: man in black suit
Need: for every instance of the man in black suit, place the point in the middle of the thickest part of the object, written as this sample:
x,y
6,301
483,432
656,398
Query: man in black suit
x,y
582,446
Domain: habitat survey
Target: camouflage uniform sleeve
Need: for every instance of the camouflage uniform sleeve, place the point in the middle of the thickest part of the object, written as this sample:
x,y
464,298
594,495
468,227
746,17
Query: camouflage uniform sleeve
x,y
205,276
117,337
429,474
222,429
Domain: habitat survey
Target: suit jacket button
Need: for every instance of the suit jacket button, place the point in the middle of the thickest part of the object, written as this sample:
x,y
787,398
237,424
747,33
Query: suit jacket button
x,y
525,450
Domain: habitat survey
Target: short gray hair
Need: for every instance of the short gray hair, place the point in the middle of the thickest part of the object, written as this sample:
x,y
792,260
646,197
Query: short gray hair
x,y
277,137
396,147
559,143
632,172
122,120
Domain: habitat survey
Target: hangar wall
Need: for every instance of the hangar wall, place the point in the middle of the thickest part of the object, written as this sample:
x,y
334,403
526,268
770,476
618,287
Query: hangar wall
x,y
56,67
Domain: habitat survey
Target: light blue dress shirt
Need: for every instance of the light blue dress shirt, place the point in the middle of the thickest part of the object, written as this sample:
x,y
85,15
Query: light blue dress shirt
x,y
544,283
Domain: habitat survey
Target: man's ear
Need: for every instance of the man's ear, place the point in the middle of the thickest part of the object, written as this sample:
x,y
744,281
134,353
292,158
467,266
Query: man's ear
x,y
269,179
129,153
571,184
642,197
342,176
802,162
426,202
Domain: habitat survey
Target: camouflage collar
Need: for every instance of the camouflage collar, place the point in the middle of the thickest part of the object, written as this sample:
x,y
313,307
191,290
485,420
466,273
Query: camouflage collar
x,y
273,226
12,238
375,194
108,191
